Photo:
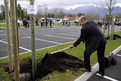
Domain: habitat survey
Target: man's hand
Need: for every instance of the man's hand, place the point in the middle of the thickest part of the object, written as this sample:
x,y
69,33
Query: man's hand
x,y
70,47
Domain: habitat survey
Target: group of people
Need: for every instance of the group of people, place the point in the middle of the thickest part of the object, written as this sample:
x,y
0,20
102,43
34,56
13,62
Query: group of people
x,y
26,23
67,22
43,23
46,22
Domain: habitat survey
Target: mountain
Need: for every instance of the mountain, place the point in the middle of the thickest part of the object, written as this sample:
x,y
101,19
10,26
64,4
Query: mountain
x,y
92,9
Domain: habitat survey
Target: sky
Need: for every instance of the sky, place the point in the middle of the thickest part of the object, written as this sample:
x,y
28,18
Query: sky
x,y
67,4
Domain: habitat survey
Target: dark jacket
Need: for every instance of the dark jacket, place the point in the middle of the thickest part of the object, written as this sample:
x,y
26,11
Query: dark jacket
x,y
92,35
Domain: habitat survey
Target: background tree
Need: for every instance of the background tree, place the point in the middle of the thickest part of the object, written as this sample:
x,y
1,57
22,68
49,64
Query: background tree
x,y
39,11
61,13
24,13
19,11
45,10
69,15
2,8
118,16
55,12
92,16
80,14
110,4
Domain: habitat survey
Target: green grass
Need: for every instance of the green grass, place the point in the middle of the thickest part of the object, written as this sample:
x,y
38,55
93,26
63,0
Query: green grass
x,y
4,75
2,25
21,25
77,52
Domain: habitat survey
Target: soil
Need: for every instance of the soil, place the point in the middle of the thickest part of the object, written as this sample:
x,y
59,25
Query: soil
x,y
115,37
56,62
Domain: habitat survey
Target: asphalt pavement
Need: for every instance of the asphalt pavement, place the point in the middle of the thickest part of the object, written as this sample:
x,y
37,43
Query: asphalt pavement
x,y
112,73
44,37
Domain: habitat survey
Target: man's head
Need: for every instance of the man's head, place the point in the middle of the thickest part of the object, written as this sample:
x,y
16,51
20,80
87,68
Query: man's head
x,y
82,20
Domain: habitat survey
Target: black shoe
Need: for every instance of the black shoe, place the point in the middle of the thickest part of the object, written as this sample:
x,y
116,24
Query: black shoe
x,y
85,70
100,73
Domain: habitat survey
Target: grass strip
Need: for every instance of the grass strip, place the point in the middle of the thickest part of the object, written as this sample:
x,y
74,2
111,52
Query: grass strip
x,y
77,52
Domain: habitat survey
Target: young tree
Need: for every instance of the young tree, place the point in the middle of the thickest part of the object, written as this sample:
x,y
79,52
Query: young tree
x,y
110,4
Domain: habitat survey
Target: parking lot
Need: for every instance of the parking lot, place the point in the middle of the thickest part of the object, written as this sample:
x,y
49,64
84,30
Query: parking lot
x,y
44,37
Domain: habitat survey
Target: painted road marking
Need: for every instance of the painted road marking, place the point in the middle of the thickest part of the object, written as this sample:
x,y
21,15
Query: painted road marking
x,y
67,34
37,49
74,33
59,37
19,46
106,77
20,30
3,39
2,34
119,55
1,31
44,40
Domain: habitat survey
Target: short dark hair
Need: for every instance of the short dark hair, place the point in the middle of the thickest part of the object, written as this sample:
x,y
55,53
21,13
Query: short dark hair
x,y
82,18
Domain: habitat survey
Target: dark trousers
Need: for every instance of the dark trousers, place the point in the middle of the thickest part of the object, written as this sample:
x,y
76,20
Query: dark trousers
x,y
18,25
101,60
50,25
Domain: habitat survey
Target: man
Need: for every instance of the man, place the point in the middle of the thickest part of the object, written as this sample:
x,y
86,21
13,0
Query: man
x,y
25,23
50,23
18,22
94,40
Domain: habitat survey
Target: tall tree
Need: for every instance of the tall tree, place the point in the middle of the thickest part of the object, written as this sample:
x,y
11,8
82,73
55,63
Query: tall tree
x,y
61,13
19,10
2,7
110,4
39,11
80,14
45,9
55,11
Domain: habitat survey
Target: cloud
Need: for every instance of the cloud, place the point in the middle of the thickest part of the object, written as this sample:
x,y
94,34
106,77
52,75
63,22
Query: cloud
x,y
64,3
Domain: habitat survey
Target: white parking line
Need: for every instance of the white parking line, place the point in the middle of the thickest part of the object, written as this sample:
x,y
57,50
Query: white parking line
x,y
3,39
19,46
44,40
60,37
119,55
20,30
106,77
67,34
74,33
1,31
2,34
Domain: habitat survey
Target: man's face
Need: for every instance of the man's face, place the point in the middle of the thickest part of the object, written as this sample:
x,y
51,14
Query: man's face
x,y
81,22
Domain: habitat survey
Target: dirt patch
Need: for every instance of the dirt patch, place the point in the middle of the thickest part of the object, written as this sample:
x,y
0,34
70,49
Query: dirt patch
x,y
115,37
55,62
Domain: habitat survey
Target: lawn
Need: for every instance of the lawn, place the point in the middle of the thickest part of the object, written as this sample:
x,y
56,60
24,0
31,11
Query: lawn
x,y
68,75
21,25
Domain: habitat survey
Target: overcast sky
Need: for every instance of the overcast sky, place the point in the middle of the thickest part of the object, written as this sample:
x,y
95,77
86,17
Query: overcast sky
x,y
67,4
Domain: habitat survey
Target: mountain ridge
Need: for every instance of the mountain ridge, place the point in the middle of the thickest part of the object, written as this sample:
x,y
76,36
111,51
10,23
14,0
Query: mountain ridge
x,y
92,9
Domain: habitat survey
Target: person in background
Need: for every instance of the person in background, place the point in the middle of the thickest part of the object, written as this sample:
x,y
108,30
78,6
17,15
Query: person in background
x,y
94,41
28,22
41,23
25,23
18,22
36,22
50,23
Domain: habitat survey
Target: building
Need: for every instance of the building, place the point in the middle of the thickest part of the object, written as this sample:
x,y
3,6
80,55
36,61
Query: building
x,y
71,18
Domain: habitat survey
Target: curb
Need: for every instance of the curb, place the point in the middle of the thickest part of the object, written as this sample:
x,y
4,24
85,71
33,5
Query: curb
x,y
87,75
